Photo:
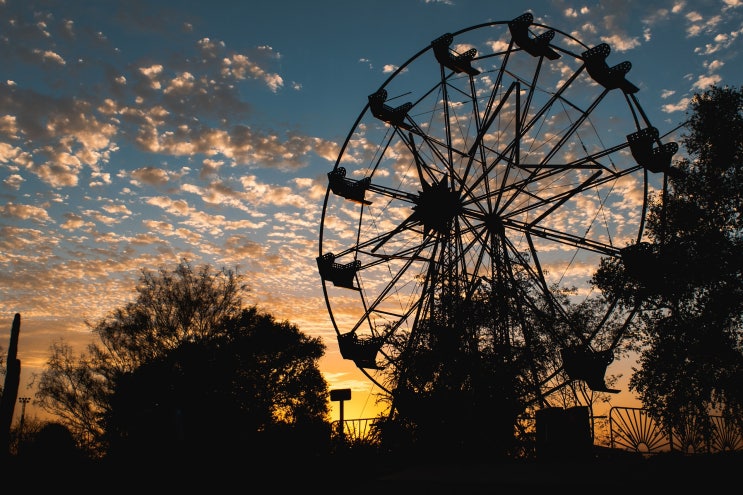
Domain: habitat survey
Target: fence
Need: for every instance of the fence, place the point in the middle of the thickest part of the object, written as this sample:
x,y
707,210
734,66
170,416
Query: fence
x,y
358,430
630,429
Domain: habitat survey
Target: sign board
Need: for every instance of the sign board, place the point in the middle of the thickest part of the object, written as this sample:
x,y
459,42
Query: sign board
x,y
340,394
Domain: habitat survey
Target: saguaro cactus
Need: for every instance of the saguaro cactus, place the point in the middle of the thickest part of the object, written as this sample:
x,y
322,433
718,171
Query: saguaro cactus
x,y
10,389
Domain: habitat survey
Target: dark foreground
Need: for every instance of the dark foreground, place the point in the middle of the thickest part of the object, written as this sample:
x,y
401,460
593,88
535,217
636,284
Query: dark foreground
x,y
354,474
658,474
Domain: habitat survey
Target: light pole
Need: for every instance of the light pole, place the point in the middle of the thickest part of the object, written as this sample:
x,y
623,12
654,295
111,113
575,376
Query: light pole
x,y
23,401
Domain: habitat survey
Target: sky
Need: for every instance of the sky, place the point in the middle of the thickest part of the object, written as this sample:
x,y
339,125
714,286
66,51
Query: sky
x,y
134,134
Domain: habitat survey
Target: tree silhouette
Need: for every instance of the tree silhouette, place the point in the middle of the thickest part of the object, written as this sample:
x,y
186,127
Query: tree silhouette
x,y
690,277
208,399
464,384
185,369
72,389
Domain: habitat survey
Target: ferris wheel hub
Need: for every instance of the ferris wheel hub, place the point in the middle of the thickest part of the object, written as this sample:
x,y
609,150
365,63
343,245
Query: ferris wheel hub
x,y
437,205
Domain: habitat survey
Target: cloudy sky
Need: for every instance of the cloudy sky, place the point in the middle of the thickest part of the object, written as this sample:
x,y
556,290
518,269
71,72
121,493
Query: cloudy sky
x,y
136,133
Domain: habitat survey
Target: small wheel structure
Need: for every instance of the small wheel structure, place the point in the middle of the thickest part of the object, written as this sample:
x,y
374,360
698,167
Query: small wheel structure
x,y
489,173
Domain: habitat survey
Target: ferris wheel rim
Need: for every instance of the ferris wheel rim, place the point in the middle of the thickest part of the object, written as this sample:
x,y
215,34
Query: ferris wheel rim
x,y
421,225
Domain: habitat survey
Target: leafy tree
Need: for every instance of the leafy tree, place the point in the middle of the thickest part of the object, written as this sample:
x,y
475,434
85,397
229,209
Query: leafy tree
x,y
20,438
236,389
71,388
492,359
690,277
52,443
183,368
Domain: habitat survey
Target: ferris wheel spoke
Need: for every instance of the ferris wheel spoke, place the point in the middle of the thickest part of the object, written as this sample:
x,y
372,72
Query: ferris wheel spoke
x,y
410,253
366,246
595,181
558,200
406,224
483,129
563,139
374,305
542,171
531,91
421,165
525,128
498,80
563,238
465,273
537,263
534,278
574,127
589,161
436,145
477,245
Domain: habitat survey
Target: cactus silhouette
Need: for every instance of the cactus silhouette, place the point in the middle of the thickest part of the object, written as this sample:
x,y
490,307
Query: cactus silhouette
x,y
10,389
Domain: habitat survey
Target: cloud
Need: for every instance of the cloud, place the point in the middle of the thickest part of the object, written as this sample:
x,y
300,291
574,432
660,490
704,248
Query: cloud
x,y
215,193
498,45
259,193
74,222
101,218
66,134
698,25
48,56
241,66
621,43
152,73
714,65
25,212
13,181
159,226
210,168
703,82
99,179
176,207
722,41
151,176
680,106
117,209
179,108
8,126
571,12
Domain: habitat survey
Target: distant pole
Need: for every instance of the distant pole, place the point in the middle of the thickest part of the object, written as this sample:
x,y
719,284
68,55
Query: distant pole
x,y
23,401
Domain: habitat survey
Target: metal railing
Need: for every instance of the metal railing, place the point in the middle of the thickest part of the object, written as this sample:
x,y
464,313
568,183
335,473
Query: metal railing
x,y
633,429
357,430
630,429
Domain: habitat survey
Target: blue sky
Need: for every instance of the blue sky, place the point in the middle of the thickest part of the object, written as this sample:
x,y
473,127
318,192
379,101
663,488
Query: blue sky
x,y
137,133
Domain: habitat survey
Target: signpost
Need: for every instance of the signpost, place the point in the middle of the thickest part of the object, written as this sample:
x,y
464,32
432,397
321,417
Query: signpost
x,y
341,395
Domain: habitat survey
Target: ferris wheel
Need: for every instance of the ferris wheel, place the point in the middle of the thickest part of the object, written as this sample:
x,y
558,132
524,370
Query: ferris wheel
x,y
486,176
